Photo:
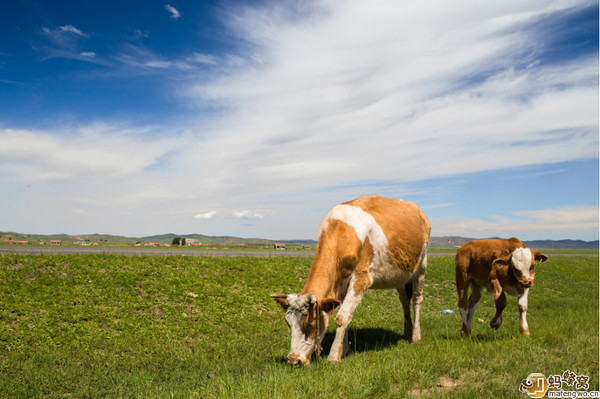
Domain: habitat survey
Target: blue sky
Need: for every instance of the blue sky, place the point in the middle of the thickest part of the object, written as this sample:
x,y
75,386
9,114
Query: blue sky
x,y
254,118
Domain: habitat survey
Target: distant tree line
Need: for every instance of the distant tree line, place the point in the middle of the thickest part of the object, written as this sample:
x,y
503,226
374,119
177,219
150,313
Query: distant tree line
x,y
178,242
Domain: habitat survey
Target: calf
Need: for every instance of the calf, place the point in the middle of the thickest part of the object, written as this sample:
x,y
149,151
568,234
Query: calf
x,y
371,242
499,266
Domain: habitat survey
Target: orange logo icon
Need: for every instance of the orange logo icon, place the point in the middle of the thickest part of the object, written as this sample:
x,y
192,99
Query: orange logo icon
x,y
535,385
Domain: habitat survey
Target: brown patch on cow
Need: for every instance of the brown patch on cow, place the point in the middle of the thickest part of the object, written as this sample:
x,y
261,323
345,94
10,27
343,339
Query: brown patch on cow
x,y
362,277
336,258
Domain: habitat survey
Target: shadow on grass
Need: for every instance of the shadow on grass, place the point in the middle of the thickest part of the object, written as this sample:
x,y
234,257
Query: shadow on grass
x,y
492,336
361,340
366,339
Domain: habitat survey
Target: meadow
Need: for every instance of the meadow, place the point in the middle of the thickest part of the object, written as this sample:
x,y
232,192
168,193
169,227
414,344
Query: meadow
x,y
116,326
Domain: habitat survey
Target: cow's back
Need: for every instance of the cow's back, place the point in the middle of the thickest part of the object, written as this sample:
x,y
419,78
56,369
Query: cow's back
x,y
406,228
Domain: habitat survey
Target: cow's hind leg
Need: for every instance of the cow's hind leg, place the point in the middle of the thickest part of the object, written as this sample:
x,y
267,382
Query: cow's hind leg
x,y
405,293
417,297
339,347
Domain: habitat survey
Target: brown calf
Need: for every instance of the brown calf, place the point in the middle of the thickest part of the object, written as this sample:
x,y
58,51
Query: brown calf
x,y
499,266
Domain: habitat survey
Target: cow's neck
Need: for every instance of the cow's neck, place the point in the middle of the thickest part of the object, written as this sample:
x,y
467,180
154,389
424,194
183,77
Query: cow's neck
x,y
331,269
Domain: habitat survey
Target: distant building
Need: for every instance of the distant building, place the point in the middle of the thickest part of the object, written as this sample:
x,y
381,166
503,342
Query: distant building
x,y
306,246
54,242
280,247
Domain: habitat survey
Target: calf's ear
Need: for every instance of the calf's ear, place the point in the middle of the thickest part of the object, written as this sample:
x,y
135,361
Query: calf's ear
x,y
329,304
540,256
281,298
501,262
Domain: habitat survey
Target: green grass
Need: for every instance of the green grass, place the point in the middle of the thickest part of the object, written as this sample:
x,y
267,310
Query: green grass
x,y
113,326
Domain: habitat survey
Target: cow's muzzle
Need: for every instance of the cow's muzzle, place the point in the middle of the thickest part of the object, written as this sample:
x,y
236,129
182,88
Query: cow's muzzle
x,y
297,360
527,283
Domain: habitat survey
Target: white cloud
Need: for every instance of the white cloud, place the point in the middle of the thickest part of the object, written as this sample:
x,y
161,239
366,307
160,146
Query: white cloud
x,y
175,14
410,94
206,215
72,29
247,214
88,152
543,222
90,54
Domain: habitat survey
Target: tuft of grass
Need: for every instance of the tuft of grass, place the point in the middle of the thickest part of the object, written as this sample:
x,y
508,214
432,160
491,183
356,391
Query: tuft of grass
x,y
115,326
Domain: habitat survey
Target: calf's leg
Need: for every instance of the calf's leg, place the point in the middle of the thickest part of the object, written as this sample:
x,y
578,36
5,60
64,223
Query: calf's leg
x,y
468,312
523,313
500,301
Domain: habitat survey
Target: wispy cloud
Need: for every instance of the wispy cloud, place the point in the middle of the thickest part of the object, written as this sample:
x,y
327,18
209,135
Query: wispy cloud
x,y
175,14
72,29
247,214
66,41
413,95
206,215
87,152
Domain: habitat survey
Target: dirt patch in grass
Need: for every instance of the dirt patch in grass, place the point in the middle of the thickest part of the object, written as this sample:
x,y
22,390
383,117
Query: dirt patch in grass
x,y
444,384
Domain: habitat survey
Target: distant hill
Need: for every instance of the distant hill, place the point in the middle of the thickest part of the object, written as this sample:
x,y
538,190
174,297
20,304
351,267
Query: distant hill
x,y
106,239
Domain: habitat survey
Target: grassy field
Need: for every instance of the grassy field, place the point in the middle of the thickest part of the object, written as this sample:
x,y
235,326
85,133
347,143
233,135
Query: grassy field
x,y
113,326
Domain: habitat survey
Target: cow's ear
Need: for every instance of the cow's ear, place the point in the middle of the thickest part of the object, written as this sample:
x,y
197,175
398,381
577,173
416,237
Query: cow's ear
x,y
281,298
540,257
329,304
502,262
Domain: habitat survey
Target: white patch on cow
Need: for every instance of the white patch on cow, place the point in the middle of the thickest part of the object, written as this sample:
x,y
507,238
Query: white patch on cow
x,y
523,298
363,223
383,274
521,260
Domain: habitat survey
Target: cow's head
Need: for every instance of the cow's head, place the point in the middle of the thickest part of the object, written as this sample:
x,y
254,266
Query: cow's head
x,y
305,314
521,263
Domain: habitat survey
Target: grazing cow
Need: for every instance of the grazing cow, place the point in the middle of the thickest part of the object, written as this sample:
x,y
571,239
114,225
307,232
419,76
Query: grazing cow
x,y
371,242
499,266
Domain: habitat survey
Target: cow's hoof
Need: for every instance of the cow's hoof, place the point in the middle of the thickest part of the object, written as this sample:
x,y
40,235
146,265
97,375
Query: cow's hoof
x,y
496,323
464,334
525,333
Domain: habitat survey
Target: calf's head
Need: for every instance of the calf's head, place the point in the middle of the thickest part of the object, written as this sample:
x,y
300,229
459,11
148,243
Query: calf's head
x,y
307,318
521,263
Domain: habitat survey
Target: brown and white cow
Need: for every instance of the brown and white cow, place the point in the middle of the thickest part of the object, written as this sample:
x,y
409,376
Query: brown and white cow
x,y
499,266
371,242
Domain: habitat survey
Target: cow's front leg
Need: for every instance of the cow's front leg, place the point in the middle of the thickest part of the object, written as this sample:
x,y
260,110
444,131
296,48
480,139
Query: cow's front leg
x,y
339,347
523,313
